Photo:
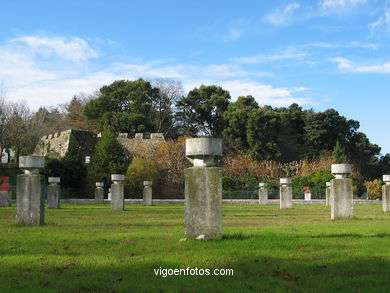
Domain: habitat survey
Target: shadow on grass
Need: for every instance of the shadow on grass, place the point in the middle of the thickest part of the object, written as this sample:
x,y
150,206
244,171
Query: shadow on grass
x,y
237,236
352,235
253,273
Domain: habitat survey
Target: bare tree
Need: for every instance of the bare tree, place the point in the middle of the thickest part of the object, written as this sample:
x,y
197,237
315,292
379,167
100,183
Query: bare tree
x,y
170,92
2,115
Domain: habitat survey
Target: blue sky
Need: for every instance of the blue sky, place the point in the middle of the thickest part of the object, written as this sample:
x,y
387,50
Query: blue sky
x,y
320,54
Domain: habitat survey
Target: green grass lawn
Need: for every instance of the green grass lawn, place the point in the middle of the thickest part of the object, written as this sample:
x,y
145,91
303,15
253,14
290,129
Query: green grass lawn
x,y
89,248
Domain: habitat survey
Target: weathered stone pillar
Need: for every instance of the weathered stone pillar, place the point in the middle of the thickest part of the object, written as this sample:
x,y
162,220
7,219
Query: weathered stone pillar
x,y
327,192
386,193
117,193
54,193
31,189
5,192
148,193
99,192
285,193
203,189
263,193
341,193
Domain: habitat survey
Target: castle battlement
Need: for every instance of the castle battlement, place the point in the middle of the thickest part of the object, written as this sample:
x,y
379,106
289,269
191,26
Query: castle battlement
x,y
142,144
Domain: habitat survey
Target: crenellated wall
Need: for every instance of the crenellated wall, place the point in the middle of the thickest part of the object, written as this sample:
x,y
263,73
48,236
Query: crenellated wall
x,y
58,143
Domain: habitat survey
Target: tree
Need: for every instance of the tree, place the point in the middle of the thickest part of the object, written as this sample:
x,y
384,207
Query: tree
x,y
108,158
323,129
170,92
236,117
75,118
262,133
125,105
201,112
338,155
291,138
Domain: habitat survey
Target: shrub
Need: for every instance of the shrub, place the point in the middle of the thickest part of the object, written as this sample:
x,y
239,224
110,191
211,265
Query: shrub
x,y
140,170
374,189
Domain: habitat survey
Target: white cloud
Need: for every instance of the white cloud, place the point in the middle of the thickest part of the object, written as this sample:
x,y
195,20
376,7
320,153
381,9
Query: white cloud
x,y
331,4
269,58
349,66
44,81
352,44
282,17
73,48
382,24
265,94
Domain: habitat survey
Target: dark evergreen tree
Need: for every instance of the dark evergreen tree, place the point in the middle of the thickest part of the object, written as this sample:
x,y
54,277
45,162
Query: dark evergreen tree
x,y
108,158
201,112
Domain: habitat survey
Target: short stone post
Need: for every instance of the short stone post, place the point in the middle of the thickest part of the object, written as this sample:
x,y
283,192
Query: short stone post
x,y
341,192
203,189
117,193
148,193
263,193
5,192
31,189
285,193
327,193
386,193
99,192
53,193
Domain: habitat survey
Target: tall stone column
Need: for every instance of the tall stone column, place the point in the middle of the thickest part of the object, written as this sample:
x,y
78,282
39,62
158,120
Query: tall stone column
x,y
5,192
203,189
31,189
99,192
263,193
285,193
327,193
117,193
148,193
386,193
54,193
341,192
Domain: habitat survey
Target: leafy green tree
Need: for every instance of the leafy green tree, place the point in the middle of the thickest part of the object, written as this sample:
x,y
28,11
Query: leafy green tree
x,y
125,105
201,111
323,129
291,137
262,133
338,155
236,117
364,155
108,158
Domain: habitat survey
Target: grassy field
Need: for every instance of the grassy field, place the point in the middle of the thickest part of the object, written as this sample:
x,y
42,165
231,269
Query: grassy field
x,y
89,248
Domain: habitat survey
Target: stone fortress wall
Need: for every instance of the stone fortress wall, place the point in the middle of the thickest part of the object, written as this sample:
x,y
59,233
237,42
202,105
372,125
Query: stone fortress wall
x,y
58,143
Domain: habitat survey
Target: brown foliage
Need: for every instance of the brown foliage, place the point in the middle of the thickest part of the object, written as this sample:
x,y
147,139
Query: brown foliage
x,y
309,166
242,167
374,188
170,159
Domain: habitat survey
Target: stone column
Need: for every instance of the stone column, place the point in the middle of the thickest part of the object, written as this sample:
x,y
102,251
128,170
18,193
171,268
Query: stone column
x,y
285,193
31,189
5,192
117,193
148,193
263,193
327,190
203,189
341,193
386,193
99,192
54,193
